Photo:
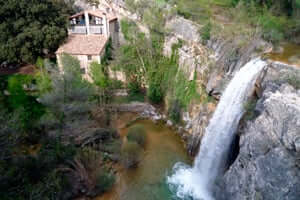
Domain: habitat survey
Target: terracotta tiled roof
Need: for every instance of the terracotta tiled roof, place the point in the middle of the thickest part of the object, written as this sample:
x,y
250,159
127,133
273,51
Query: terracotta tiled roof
x,y
78,44
98,13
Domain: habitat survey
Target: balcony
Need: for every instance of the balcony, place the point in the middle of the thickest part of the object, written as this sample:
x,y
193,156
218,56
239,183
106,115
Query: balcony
x,y
78,29
81,29
96,29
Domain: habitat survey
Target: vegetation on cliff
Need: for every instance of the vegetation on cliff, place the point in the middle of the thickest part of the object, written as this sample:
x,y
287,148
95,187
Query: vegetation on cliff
x,y
142,59
272,19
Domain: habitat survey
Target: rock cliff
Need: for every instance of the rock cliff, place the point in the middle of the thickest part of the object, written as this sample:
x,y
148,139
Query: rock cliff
x,y
268,164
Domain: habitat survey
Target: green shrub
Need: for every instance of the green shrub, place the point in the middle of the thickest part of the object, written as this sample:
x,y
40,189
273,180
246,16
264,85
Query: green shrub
x,y
134,87
116,84
273,27
39,62
98,75
154,92
135,92
104,181
131,154
175,111
205,32
137,134
249,107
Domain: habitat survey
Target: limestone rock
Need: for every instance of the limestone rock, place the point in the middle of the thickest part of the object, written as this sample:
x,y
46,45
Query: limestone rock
x,y
268,165
184,29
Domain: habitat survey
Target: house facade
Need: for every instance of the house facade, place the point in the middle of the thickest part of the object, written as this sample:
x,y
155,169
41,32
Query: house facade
x,y
89,33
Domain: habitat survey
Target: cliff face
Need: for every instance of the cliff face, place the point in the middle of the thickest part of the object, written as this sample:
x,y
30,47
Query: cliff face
x,y
268,164
213,65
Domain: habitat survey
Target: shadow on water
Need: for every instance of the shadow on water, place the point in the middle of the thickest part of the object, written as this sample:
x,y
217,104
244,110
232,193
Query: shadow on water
x,y
164,148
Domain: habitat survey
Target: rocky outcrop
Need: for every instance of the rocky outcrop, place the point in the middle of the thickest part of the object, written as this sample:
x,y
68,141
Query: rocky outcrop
x,y
144,110
196,127
193,56
230,56
268,164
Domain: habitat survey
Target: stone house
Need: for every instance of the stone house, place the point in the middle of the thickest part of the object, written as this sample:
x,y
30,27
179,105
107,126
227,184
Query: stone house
x,y
89,33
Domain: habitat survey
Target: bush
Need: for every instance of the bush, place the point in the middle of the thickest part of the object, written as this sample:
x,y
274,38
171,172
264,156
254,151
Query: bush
x,y
250,109
131,154
116,84
135,93
205,32
87,171
175,111
137,134
134,88
155,93
104,181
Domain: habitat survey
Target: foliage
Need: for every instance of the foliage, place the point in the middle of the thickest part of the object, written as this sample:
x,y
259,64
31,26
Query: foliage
x,y
137,134
174,111
35,152
131,154
42,77
249,107
39,62
205,32
108,54
27,107
275,20
143,62
71,93
35,177
185,90
154,92
37,29
135,91
98,75
86,169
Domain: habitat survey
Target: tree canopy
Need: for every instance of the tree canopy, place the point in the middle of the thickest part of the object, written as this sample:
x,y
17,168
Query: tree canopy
x,y
31,28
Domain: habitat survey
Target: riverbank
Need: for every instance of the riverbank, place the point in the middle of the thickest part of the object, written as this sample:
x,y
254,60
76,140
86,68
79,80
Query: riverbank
x,y
163,149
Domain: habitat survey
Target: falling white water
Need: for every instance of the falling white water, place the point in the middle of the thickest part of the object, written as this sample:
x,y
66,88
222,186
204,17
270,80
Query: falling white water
x,y
197,182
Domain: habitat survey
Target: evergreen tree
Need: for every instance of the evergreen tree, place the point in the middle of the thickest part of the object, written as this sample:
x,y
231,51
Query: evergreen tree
x,y
31,28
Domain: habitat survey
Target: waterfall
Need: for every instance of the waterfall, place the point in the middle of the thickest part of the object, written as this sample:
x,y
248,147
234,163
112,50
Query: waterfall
x,y
197,182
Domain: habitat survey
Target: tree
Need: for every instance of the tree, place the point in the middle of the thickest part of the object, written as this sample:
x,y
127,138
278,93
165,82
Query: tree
x,y
31,28
70,93
101,80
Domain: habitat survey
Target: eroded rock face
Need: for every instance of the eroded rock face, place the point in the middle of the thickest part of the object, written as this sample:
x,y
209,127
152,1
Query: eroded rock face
x,y
268,165
184,29
230,57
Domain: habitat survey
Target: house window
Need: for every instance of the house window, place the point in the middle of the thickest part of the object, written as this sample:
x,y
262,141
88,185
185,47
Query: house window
x,y
89,57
